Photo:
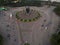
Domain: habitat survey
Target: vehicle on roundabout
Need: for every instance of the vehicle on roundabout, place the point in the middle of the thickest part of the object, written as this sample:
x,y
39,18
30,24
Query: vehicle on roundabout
x,y
3,8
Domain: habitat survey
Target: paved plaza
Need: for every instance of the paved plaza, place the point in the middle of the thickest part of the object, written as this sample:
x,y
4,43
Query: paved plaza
x,y
35,33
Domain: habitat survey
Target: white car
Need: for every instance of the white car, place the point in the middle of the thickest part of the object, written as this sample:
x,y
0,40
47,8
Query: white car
x,y
10,15
46,28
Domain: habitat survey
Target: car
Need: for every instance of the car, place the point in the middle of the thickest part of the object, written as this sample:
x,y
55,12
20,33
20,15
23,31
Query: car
x,y
10,15
46,28
3,8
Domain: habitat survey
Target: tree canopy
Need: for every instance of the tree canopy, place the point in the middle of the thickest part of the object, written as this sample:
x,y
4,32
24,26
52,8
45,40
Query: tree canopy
x,y
57,10
1,2
55,39
1,40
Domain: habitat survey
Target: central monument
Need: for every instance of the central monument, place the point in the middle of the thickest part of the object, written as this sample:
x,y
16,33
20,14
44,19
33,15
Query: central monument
x,y
27,9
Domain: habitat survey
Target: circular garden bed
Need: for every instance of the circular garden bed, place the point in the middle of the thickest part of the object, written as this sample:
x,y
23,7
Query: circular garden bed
x,y
24,17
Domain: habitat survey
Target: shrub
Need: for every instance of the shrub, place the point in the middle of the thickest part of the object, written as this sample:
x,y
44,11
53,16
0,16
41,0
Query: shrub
x,y
26,44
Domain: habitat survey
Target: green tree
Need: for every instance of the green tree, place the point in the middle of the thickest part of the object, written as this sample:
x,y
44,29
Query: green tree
x,y
26,44
1,40
2,2
55,39
57,10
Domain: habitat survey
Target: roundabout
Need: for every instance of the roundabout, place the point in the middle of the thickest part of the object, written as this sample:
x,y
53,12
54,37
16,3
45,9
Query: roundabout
x,y
27,27
27,15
